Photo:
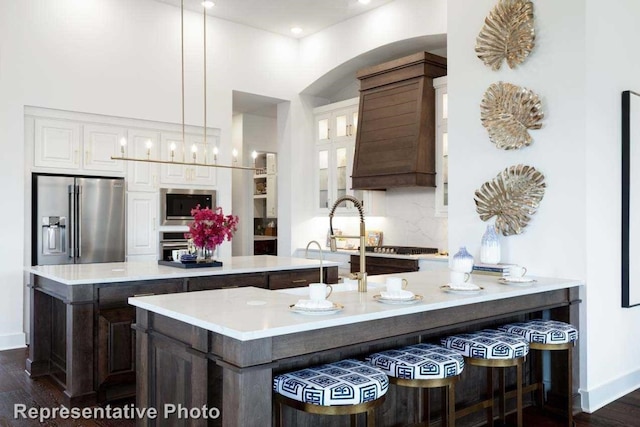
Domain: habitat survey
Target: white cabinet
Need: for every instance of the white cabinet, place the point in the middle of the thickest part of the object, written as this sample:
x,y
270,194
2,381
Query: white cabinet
x,y
186,174
100,143
142,176
57,144
77,147
142,221
335,132
442,146
337,122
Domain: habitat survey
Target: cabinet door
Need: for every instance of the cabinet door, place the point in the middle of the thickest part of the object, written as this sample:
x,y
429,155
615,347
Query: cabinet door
x,y
116,349
200,175
344,124
99,144
323,186
172,149
142,219
57,144
272,196
323,127
272,166
142,176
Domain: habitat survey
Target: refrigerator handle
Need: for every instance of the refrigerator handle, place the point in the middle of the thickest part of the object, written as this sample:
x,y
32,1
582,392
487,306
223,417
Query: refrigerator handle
x,y
72,221
79,219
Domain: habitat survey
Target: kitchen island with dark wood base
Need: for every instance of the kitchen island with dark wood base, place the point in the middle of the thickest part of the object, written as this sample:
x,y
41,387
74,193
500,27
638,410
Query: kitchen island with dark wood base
x,y
81,322
221,349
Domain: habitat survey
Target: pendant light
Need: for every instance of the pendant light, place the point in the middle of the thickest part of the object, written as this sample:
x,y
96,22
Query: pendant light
x,y
194,147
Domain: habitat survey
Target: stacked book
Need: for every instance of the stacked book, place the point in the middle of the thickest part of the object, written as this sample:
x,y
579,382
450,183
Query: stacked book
x,y
499,270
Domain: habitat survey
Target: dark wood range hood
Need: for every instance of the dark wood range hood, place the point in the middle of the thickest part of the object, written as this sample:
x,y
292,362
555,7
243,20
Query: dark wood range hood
x,y
395,141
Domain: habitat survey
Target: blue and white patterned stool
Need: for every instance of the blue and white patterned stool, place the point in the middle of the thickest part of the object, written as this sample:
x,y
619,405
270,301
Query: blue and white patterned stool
x,y
549,335
493,349
348,387
424,366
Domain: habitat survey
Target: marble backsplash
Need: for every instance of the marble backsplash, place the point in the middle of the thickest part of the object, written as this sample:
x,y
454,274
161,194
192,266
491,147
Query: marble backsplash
x,y
409,220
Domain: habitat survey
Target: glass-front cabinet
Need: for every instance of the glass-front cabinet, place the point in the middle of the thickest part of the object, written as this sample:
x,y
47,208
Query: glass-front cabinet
x,y
335,131
442,146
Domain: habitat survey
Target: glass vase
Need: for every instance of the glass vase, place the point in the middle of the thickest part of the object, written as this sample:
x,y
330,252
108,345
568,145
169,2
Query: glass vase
x,y
204,254
462,261
490,246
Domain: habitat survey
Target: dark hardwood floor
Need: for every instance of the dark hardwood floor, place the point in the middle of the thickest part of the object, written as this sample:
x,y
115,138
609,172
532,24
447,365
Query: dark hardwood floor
x,y
17,388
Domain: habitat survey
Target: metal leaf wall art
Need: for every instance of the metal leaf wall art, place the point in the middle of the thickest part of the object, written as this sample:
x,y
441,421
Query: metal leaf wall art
x,y
507,33
512,197
508,112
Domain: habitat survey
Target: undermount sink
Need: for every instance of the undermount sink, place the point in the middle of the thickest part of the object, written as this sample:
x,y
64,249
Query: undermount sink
x,y
345,286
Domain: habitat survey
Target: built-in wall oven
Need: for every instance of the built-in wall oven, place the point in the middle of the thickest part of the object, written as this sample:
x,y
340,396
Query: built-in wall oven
x,y
176,204
169,241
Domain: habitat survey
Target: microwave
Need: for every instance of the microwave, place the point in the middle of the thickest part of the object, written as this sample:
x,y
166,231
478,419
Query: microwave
x,y
176,204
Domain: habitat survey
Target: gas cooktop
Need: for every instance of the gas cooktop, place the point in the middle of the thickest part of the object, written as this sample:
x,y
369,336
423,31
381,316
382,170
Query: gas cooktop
x,y
401,250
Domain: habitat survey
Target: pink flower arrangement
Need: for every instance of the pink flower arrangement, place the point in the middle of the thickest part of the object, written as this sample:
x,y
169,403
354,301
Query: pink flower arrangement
x,y
211,227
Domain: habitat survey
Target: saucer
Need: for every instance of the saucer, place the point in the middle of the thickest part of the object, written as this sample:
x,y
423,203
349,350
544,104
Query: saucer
x,y
415,299
316,311
447,288
516,280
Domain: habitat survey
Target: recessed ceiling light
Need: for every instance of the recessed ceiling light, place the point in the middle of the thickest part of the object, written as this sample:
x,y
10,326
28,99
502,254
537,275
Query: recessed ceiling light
x,y
208,4
364,1
296,30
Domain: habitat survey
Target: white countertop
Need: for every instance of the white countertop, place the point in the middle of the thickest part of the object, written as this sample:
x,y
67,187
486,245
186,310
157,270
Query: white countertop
x,y
433,257
79,274
253,313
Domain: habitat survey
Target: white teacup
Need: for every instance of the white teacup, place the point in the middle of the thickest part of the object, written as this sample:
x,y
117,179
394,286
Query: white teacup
x,y
396,284
319,291
517,271
458,277
177,253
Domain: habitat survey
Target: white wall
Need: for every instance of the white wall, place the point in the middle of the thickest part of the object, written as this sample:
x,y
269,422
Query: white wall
x,y
119,58
553,242
576,232
612,67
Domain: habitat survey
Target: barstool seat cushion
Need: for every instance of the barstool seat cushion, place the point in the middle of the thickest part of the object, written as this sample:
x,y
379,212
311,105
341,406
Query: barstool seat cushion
x,y
488,344
419,362
543,331
348,382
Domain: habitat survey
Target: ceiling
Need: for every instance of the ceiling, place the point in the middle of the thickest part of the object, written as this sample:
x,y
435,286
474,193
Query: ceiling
x,y
279,16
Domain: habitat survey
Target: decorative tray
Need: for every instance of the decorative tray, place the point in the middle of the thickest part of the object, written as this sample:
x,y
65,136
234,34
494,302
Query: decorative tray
x,y
190,264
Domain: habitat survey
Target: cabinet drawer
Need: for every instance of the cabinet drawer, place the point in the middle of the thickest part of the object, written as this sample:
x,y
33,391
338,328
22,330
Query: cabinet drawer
x,y
117,294
293,279
230,281
384,265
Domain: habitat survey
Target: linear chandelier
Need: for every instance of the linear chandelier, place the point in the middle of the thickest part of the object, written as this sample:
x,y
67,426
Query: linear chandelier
x,y
194,147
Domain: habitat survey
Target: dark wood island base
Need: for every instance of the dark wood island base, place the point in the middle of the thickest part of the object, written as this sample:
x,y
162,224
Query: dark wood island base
x,y
81,335
188,366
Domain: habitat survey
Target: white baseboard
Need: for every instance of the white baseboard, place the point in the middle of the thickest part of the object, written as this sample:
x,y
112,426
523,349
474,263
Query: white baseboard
x,y
8,342
596,398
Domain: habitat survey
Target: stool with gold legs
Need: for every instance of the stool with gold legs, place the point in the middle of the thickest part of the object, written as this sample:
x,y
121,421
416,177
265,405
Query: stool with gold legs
x,y
549,335
492,349
348,387
424,366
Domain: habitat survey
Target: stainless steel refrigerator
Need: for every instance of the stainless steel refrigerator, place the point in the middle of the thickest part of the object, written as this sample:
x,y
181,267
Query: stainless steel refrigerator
x,y
78,220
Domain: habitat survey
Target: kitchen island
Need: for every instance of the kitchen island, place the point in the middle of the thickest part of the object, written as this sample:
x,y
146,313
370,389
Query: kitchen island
x,y
80,331
226,358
